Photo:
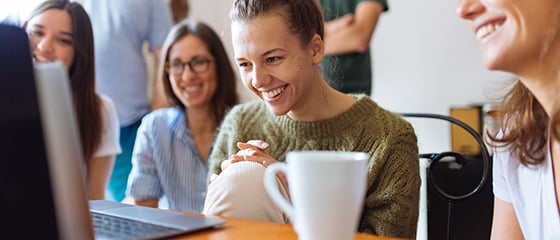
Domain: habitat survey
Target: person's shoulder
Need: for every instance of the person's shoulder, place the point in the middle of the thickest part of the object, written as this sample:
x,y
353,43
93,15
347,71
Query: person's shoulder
x,y
106,104
379,115
105,100
109,116
251,107
371,104
163,115
248,112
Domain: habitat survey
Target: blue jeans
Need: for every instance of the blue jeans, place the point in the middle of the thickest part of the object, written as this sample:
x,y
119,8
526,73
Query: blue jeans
x,y
116,188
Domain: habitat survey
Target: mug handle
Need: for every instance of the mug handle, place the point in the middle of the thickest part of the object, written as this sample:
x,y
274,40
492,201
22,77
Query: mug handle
x,y
271,186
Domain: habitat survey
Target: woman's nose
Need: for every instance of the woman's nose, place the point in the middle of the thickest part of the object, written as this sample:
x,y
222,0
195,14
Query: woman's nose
x,y
45,45
468,9
259,78
187,73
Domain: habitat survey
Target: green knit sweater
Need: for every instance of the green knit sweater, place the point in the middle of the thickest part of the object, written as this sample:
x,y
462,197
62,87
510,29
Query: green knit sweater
x,y
391,204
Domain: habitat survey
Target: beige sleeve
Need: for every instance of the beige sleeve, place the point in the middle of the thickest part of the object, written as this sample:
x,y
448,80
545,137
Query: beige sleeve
x,y
239,192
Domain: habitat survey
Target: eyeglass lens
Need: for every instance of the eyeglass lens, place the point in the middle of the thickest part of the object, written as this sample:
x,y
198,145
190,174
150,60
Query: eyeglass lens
x,y
197,65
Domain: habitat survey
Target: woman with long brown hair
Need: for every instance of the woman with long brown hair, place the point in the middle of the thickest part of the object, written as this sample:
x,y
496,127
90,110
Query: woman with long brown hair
x,y
170,156
523,37
60,30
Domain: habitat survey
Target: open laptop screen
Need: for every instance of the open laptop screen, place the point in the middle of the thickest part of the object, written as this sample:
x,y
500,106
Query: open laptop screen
x,y
26,198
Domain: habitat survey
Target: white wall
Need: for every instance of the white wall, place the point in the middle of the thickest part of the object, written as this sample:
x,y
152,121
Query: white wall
x,y
215,14
16,9
426,59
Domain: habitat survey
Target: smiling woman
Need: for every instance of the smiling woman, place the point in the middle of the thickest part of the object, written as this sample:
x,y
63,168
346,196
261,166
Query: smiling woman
x,y
278,46
523,37
60,30
172,145
52,37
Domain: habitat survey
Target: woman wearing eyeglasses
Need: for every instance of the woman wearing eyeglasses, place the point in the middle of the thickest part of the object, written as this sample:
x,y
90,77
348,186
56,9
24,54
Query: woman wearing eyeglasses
x,y
170,166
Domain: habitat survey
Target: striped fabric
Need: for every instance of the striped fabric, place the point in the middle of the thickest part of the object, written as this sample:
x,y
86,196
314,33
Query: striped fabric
x,y
166,164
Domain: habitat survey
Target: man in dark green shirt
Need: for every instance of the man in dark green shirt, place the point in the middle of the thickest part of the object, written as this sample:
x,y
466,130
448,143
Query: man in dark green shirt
x,y
348,30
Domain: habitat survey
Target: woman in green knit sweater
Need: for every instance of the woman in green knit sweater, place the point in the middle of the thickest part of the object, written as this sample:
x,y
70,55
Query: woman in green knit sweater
x,y
278,45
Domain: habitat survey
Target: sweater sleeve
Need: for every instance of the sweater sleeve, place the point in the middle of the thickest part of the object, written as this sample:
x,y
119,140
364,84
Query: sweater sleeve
x,y
391,204
220,150
231,131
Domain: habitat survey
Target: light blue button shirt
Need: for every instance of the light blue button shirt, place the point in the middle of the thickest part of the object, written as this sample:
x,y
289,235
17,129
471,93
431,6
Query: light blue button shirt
x,y
166,164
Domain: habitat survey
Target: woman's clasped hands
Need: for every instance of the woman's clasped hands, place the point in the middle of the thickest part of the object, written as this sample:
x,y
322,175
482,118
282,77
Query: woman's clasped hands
x,y
252,150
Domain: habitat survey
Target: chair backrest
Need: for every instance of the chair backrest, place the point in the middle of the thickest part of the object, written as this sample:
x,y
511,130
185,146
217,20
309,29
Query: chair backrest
x,y
428,167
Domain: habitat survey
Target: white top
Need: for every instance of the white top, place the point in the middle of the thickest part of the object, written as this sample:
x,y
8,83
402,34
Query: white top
x,y
109,144
530,189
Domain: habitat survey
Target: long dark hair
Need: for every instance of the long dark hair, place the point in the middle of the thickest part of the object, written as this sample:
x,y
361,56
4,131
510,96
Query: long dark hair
x,y
82,73
225,96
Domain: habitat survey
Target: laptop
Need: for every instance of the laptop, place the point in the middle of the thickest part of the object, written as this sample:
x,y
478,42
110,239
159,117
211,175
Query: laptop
x,y
42,177
150,223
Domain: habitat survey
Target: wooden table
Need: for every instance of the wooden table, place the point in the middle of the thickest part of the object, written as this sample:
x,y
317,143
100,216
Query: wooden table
x,y
242,229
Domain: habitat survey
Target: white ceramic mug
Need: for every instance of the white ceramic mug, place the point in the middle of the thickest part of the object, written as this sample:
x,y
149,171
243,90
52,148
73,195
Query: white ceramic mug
x,y
327,191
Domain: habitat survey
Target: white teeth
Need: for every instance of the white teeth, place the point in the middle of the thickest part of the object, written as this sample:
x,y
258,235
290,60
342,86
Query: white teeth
x,y
486,30
274,92
41,59
192,89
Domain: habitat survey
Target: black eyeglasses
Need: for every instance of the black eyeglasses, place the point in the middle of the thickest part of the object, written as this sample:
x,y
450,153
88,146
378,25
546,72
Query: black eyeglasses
x,y
197,65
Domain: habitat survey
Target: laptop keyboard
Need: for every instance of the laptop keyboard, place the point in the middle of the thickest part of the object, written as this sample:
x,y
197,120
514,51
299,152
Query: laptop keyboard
x,y
111,227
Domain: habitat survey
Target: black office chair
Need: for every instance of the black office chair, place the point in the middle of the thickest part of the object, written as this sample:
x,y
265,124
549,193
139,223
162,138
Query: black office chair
x,y
434,159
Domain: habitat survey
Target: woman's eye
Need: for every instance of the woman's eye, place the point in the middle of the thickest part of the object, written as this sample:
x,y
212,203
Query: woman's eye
x,y
65,41
176,65
243,64
272,59
198,61
35,33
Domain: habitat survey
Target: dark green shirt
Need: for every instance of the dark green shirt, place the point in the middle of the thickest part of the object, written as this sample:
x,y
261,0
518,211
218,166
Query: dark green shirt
x,y
349,73
391,204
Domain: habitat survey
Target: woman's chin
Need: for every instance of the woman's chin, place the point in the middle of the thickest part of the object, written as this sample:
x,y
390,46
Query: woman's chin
x,y
497,66
496,61
276,110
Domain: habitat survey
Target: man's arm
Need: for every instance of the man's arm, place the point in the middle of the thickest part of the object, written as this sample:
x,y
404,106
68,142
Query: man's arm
x,y
348,33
